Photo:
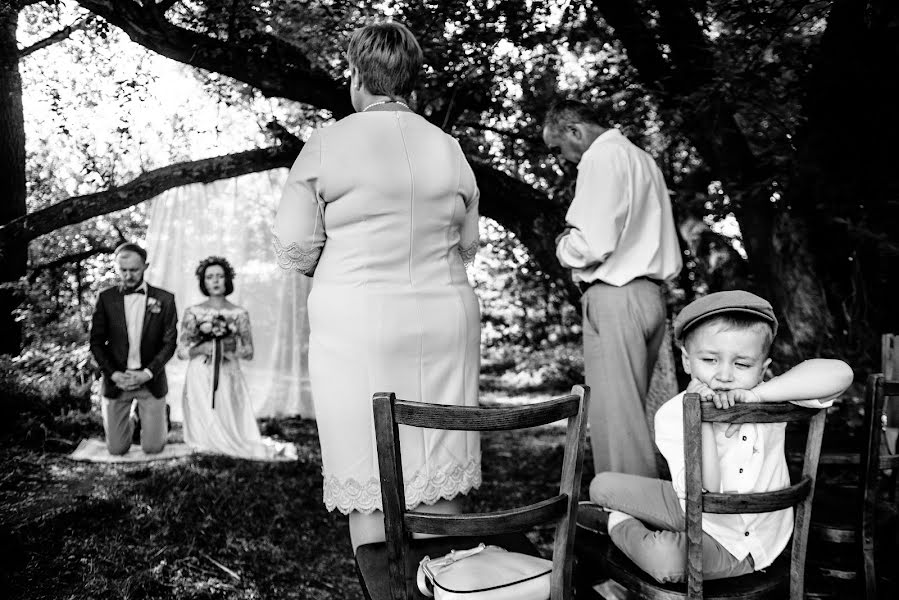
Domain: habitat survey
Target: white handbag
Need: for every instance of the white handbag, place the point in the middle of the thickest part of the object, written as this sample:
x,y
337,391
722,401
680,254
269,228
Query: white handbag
x,y
485,573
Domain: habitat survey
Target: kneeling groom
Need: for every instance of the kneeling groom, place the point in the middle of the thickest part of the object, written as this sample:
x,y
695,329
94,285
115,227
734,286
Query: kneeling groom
x,y
133,336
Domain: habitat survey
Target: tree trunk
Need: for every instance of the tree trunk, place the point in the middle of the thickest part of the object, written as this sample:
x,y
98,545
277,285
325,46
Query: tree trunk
x,y
12,176
846,180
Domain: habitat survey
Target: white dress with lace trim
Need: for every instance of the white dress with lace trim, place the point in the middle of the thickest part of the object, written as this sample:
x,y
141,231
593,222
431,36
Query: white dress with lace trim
x,y
352,495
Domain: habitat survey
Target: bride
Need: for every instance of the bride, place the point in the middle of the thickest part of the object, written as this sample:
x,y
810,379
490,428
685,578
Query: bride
x,y
215,337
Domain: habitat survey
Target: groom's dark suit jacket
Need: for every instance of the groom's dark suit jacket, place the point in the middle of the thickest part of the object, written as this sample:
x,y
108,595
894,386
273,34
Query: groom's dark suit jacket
x,y
159,337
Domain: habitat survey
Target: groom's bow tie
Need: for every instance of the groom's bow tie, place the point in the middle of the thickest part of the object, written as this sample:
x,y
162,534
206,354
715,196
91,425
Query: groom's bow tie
x,y
137,291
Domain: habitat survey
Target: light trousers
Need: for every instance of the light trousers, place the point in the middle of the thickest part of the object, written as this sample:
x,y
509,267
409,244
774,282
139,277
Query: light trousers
x,y
656,540
623,330
119,428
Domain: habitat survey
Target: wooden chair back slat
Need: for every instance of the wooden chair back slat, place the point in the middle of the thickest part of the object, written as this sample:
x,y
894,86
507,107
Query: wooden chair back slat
x,y
799,494
469,418
505,521
729,504
560,510
775,412
890,388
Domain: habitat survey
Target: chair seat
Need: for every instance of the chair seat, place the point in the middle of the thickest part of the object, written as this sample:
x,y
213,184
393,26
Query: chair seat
x,y
773,582
597,552
371,559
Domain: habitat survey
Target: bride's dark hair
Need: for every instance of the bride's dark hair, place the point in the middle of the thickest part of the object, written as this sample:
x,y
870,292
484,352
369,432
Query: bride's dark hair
x,y
224,264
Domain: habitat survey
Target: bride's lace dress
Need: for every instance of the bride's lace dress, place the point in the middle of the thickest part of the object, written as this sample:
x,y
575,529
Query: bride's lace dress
x,y
223,424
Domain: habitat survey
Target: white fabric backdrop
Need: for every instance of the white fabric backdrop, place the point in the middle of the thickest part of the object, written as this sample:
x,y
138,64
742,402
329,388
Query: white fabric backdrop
x,y
232,218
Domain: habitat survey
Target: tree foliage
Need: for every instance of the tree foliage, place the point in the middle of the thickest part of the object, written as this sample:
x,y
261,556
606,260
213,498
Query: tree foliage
x,y
772,115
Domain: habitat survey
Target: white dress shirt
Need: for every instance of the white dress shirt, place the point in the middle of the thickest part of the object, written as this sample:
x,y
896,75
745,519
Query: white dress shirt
x,y
621,219
752,460
135,309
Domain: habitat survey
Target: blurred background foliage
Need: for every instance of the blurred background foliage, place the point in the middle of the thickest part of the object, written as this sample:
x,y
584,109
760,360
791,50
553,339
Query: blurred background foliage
x,y
746,120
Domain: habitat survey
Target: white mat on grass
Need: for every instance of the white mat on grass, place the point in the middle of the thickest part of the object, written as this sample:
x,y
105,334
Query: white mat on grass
x,y
94,450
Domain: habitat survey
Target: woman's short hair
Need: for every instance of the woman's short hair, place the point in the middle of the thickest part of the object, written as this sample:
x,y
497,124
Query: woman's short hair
x,y
226,267
387,57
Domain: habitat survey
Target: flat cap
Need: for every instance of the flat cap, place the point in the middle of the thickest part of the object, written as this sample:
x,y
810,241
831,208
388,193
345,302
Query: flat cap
x,y
733,301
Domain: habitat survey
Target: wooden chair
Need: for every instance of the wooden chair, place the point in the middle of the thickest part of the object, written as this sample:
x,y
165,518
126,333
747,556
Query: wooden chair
x,y
388,570
852,516
595,551
889,366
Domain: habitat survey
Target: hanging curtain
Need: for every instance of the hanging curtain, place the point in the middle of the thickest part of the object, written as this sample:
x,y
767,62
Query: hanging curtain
x,y
232,218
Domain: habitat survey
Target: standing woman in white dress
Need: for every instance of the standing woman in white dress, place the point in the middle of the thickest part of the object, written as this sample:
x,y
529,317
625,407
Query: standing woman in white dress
x,y
216,337
382,208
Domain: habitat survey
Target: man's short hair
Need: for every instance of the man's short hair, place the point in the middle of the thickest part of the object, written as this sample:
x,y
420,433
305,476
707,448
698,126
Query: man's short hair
x,y
388,58
131,247
566,112
735,321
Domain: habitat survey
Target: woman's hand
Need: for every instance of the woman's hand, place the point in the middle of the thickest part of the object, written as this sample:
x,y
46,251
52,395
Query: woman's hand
x,y
229,345
201,349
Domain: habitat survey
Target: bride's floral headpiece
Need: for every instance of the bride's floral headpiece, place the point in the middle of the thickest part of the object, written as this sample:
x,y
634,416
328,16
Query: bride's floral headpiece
x,y
224,264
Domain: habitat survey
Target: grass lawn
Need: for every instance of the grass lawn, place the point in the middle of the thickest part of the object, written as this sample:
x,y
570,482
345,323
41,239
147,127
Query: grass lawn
x,y
204,526
215,527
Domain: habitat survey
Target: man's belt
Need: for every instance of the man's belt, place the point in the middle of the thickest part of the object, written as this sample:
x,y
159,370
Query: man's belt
x,y
583,286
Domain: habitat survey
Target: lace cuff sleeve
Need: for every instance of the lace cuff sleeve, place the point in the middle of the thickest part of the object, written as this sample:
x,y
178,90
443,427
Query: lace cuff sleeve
x,y
295,257
244,337
189,334
469,253
299,226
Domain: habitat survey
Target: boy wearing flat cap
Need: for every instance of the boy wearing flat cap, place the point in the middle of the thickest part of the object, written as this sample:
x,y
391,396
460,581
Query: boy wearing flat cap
x,y
724,338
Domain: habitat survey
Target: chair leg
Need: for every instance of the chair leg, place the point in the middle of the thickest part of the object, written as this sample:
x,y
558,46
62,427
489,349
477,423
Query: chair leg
x,y
361,579
870,575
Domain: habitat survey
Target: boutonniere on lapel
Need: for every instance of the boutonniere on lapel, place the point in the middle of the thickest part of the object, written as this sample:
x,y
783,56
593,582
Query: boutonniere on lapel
x,y
153,306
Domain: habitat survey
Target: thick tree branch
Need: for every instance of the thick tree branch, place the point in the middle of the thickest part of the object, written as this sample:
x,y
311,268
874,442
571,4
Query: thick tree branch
x,y
144,187
75,257
273,66
639,42
59,36
690,49
513,135
164,5
529,214
710,124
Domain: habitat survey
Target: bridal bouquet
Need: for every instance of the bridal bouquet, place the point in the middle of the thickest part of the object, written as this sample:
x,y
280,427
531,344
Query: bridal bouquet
x,y
216,328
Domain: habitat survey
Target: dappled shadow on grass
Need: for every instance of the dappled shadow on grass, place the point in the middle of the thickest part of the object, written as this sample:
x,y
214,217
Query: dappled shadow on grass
x,y
210,527
201,527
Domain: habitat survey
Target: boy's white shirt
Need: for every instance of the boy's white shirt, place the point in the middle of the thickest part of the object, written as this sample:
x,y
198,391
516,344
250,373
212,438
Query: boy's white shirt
x,y
752,460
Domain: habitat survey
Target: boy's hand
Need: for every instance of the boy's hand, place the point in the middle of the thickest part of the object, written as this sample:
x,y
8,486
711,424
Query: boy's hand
x,y
742,397
697,387
720,399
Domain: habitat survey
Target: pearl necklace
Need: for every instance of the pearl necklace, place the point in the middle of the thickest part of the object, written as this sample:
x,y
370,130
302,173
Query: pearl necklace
x,y
380,102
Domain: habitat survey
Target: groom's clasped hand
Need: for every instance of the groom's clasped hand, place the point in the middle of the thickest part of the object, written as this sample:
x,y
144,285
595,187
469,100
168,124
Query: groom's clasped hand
x,y
130,380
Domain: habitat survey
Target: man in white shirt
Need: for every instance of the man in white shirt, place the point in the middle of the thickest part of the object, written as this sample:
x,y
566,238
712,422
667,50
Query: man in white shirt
x,y
133,336
620,244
